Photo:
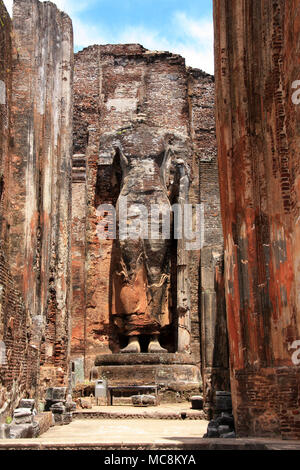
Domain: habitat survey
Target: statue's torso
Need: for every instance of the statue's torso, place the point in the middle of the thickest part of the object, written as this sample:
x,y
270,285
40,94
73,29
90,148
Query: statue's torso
x,y
144,262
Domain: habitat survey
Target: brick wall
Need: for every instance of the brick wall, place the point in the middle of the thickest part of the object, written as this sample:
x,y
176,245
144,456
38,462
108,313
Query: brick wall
x,y
35,160
5,116
209,309
19,365
257,60
40,175
125,87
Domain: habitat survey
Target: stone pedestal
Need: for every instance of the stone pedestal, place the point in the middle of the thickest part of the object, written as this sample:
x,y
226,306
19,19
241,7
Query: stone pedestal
x,y
177,374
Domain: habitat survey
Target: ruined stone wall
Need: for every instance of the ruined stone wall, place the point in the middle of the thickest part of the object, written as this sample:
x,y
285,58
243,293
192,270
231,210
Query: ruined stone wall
x,y
36,196
257,60
40,175
18,359
119,90
5,105
116,90
211,310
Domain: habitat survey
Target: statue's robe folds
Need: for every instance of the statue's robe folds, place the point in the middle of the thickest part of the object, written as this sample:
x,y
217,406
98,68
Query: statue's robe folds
x,y
141,280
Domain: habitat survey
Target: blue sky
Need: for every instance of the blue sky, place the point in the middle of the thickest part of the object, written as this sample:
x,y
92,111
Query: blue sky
x,y
183,27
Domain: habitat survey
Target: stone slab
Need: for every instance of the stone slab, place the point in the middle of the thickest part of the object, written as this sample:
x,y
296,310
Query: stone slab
x,y
174,377
45,421
22,412
144,359
27,403
166,412
56,394
21,431
144,400
197,402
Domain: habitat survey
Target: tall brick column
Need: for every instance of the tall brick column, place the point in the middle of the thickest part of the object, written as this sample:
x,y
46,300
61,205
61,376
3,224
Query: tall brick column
x,y
257,62
39,184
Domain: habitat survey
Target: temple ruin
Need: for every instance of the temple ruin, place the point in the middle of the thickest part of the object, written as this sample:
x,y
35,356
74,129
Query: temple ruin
x,y
82,133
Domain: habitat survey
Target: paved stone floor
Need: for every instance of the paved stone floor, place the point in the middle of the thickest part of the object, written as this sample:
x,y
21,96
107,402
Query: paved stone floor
x,y
115,428
131,425
126,431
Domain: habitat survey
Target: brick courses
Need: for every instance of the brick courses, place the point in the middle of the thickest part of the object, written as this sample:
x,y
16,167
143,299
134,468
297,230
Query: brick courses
x,y
256,56
35,159
117,90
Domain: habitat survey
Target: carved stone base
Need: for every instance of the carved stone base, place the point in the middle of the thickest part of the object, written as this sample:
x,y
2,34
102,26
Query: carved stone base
x,y
177,374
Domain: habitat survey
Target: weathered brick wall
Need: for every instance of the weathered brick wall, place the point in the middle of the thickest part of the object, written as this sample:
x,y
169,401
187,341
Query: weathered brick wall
x,y
40,190
210,309
257,59
79,205
124,87
5,117
36,199
18,362
19,358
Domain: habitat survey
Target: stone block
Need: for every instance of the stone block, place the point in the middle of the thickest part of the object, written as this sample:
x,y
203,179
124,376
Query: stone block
x,y
58,408
45,421
85,403
58,419
223,401
22,416
36,429
226,419
213,424
67,418
212,433
62,419
221,427
24,420
173,372
27,403
56,394
4,431
224,429
197,402
70,406
20,412
21,431
229,435
143,400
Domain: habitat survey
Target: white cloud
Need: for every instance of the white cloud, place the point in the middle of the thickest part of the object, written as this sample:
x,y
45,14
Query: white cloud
x,y
191,38
196,47
87,34
193,41
196,42
69,6
72,7
197,53
201,29
9,5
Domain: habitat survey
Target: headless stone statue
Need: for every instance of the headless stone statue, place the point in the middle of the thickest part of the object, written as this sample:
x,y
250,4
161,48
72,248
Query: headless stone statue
x,y
141,282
